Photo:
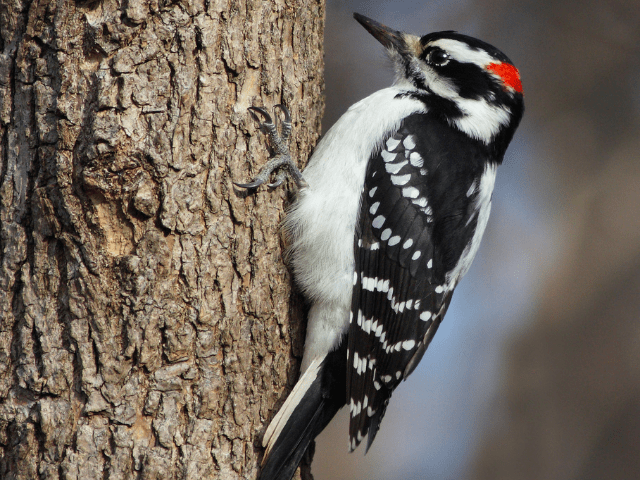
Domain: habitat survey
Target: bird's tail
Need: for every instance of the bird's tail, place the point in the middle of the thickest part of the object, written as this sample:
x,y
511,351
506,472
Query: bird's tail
x,y
315,399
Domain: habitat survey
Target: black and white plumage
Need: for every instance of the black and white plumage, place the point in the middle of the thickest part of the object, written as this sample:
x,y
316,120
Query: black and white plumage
x,y
396,201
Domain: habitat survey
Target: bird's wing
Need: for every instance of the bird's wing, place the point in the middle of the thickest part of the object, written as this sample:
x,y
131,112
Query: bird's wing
x,y
408,238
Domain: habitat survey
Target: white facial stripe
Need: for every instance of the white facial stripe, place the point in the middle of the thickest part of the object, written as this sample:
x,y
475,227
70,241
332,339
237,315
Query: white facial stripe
x,y
481,120
461,52
438,84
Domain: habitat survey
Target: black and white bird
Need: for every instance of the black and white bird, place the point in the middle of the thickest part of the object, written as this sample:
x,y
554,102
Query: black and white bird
x,y
389,215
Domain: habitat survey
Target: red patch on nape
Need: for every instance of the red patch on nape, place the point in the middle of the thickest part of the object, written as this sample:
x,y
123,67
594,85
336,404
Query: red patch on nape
x,y
509,75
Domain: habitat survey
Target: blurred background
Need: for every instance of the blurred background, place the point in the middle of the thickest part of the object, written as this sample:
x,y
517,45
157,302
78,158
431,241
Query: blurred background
x,y
535,372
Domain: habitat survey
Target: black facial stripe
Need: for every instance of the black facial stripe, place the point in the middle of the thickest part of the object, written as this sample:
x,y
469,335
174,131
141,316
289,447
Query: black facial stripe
x,y
413,75
442,108
471,80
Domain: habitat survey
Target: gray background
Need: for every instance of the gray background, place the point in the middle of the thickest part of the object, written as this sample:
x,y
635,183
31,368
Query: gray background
x,y
535,371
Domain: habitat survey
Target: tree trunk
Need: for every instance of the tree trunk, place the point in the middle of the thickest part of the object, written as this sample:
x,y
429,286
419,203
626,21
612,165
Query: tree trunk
x,y
148,328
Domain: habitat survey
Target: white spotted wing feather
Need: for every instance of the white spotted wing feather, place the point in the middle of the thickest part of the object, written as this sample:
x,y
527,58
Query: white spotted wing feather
x,y
404,278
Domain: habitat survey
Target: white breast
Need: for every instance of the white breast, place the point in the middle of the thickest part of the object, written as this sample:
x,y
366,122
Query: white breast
x,y
321,223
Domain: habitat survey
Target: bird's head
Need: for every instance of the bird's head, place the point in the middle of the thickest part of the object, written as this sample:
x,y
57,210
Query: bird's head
x,y
467,82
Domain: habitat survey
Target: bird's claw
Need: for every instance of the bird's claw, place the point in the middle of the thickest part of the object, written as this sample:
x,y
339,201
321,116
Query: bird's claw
x,y
265,124
250,185
279,139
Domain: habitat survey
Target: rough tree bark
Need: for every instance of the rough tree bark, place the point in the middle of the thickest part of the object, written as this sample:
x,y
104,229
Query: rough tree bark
x,y
147,328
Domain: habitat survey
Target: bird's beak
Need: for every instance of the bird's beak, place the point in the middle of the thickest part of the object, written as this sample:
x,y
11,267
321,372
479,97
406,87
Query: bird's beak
x,y
391,39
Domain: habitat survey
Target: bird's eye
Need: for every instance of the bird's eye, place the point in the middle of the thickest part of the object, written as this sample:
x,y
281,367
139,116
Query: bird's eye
x,y
438,58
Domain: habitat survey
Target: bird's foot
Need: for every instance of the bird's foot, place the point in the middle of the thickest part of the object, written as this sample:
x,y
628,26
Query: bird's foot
x,y
280,143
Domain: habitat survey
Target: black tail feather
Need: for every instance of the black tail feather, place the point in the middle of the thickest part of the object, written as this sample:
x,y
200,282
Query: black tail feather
x,y
320,403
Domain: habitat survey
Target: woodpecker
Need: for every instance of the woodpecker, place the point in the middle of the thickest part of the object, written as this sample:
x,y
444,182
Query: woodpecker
x,y
388,217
